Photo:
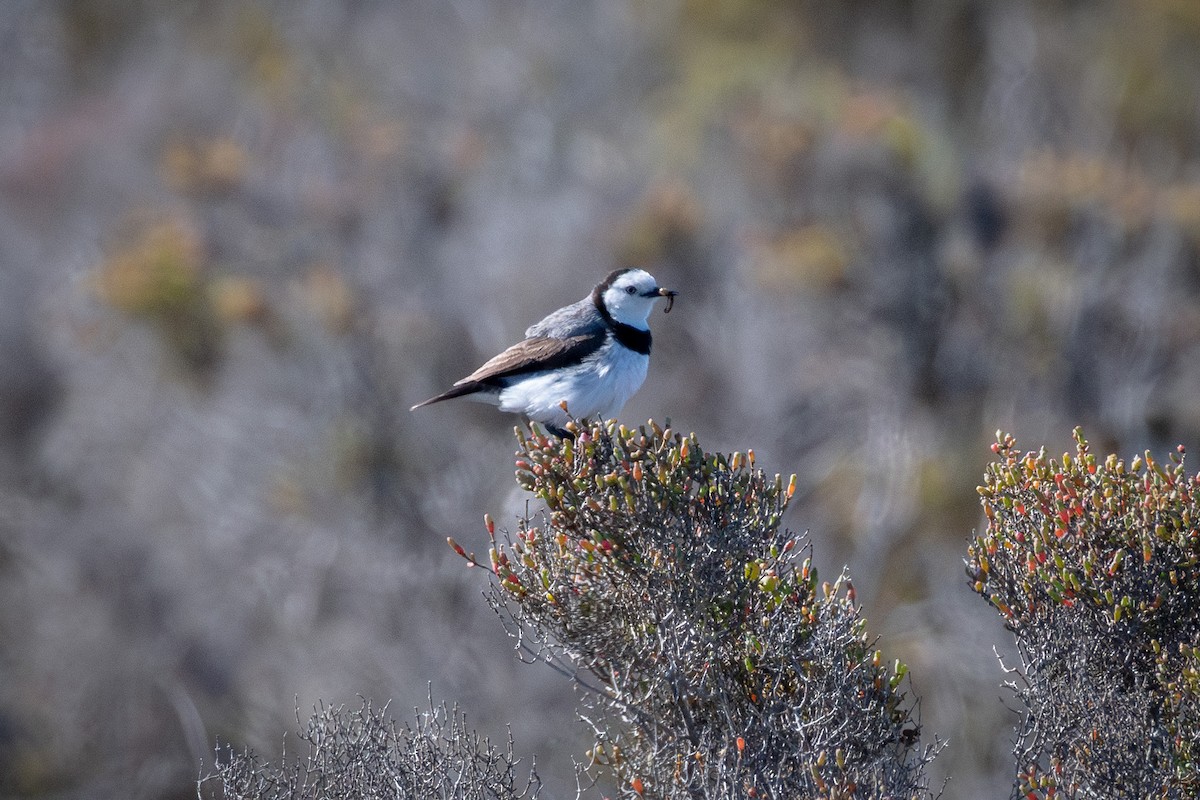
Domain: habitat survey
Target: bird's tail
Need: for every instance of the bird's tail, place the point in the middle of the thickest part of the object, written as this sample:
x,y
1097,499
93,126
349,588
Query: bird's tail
x,y
459,390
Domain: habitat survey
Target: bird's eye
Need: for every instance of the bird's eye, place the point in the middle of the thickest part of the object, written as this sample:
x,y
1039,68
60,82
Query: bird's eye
x,y
630,290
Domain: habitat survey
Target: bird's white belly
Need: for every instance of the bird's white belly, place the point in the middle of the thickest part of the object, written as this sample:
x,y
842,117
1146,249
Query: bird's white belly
x,y
600,385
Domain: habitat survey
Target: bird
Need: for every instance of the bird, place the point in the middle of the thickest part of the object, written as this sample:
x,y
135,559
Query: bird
x,y
583,360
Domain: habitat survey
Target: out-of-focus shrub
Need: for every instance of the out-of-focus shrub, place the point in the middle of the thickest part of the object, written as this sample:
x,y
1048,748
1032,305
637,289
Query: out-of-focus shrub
x,y
158,275
1094,564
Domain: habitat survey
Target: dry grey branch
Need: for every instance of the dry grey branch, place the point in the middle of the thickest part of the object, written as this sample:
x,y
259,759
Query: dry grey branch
x,y
361,753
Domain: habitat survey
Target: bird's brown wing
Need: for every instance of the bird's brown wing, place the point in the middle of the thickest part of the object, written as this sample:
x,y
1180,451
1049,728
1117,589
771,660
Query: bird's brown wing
x,y
535,354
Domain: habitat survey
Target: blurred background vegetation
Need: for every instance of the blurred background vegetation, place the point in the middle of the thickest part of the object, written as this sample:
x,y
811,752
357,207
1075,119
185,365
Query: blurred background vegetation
x,y
239,239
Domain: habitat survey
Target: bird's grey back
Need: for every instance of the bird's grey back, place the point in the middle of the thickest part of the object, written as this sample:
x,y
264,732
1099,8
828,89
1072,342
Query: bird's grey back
x,y
576,319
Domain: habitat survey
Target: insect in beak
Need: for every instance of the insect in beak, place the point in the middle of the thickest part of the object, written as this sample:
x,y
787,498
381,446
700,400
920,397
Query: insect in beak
x,y
670,295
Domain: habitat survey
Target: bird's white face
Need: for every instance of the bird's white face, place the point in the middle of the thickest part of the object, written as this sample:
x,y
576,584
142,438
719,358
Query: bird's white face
x,y
631,297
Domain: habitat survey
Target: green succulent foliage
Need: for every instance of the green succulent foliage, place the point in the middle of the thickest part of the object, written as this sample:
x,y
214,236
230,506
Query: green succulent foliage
x,y
1094,564
714,660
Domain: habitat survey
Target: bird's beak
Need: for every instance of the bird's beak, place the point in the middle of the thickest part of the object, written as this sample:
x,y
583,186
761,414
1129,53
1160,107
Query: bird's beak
x,y
670,295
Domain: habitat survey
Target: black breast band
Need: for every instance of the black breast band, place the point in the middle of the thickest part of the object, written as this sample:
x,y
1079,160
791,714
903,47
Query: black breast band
x,y
635,339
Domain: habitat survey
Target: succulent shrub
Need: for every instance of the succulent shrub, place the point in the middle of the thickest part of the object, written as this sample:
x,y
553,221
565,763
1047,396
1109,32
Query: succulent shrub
x,y
1094,565
712,660
361,753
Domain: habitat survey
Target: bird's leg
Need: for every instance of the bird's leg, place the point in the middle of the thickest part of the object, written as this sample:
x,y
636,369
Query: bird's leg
x,y
561,433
